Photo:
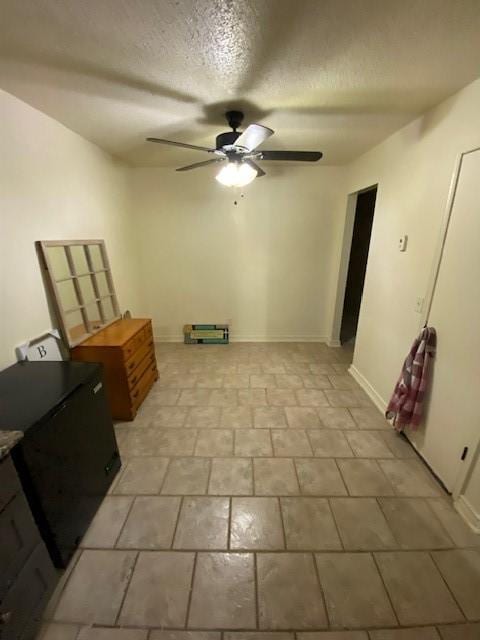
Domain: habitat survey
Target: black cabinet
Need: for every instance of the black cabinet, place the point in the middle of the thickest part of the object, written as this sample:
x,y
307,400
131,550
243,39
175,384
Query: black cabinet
x,y
68,456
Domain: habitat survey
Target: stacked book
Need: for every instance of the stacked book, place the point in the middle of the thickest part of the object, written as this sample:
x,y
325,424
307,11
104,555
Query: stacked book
x,y
205,333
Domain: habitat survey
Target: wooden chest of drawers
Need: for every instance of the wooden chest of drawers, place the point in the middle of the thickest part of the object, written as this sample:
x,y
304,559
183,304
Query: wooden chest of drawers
x,y
126,350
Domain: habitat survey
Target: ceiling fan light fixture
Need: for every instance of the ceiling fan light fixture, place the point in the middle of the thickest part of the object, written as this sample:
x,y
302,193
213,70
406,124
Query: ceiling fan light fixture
x,y
236,174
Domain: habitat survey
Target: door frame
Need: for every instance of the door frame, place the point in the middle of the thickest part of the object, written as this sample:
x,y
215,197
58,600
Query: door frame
x,y
474,445
334,340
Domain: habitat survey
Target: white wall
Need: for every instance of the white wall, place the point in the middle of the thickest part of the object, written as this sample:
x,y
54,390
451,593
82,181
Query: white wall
x,y
265,265
413,169
53,185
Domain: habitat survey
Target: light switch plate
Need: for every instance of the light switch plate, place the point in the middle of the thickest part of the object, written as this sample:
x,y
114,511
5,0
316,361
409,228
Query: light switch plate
x,y
402,243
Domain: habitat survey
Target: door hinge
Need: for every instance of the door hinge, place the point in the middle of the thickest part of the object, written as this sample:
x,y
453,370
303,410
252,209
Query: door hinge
x,y
464,453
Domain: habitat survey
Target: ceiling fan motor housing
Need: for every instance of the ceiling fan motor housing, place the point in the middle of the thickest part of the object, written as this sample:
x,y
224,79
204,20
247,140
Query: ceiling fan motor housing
x,y
227,138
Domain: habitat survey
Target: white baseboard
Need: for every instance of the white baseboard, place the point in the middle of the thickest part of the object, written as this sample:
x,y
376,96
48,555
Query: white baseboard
x,y
374,396
333,343
252,338
468,513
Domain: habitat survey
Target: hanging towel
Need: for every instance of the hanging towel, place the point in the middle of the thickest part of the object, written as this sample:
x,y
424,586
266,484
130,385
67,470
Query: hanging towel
x,y
406,403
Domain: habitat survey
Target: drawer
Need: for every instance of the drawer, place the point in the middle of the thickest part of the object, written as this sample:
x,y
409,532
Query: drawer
x,y
18,535
137,373
9,482
140,338
139,392
23,604
133,362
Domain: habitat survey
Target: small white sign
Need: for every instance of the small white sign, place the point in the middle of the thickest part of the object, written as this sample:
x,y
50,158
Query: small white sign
x,y
46,347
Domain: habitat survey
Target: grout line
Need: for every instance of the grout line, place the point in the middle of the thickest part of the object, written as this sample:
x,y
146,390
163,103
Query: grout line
x,y
255,583
342,544
129,511
177,520
320,586
229,525
282,522
127,587
190,593
450,591
372,554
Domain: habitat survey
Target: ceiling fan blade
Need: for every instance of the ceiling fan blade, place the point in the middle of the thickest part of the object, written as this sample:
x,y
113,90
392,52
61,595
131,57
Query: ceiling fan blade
x,y
200,164
259,170
299,156
253,136
180,144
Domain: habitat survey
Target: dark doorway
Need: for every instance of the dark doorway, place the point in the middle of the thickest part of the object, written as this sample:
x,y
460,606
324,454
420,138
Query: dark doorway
x,y
357,265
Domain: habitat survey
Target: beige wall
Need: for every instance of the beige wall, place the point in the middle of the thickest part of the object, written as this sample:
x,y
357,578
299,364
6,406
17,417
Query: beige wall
x,y
413,169
53,185
266,266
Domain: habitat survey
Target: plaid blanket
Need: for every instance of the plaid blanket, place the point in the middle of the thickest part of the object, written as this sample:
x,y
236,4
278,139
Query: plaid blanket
x,y
406,403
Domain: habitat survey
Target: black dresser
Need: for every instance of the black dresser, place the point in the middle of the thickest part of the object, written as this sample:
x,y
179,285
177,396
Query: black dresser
x,y
64,465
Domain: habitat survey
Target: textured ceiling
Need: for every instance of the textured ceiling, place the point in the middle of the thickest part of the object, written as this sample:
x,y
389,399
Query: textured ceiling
x,y
332,75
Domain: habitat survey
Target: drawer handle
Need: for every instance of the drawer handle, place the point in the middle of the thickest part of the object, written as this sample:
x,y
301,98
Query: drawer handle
x,y
150,344
16,532
154,368
134,379
131,365
135,394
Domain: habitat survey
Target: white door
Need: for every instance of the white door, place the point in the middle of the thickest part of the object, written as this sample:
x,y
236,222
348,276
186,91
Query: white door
x,y
453,419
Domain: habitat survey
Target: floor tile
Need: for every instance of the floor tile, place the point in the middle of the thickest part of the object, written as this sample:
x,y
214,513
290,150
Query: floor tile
x,y
187,476
269,418
107,523
414,524
302,418
322,369
311,398
398,444
367,604
231,476
236,418
256,524
252,397
214,442
361,524
291,442
453,523
165,397
58,631
202,524
150,524
333,635
94,592
460,632
320,478
410,478
335,418
142,476
343,381
236,381
184,635
173,442
249,368
111,633
159,589
369,418
253,442
368,444
223,398
258,635
209,381
275,477
311,381
203,417
194,397
281,397
349,398
309,524
461,570
289,595
328,443
169,417
365,478
263,381
289,381
223,594
416,588
414,633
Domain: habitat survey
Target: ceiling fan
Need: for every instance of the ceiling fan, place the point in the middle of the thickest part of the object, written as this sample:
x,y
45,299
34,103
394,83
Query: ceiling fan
x,y
240,151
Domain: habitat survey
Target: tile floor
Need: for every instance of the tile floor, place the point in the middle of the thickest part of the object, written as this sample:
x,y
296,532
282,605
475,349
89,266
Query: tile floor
x,y
262,495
